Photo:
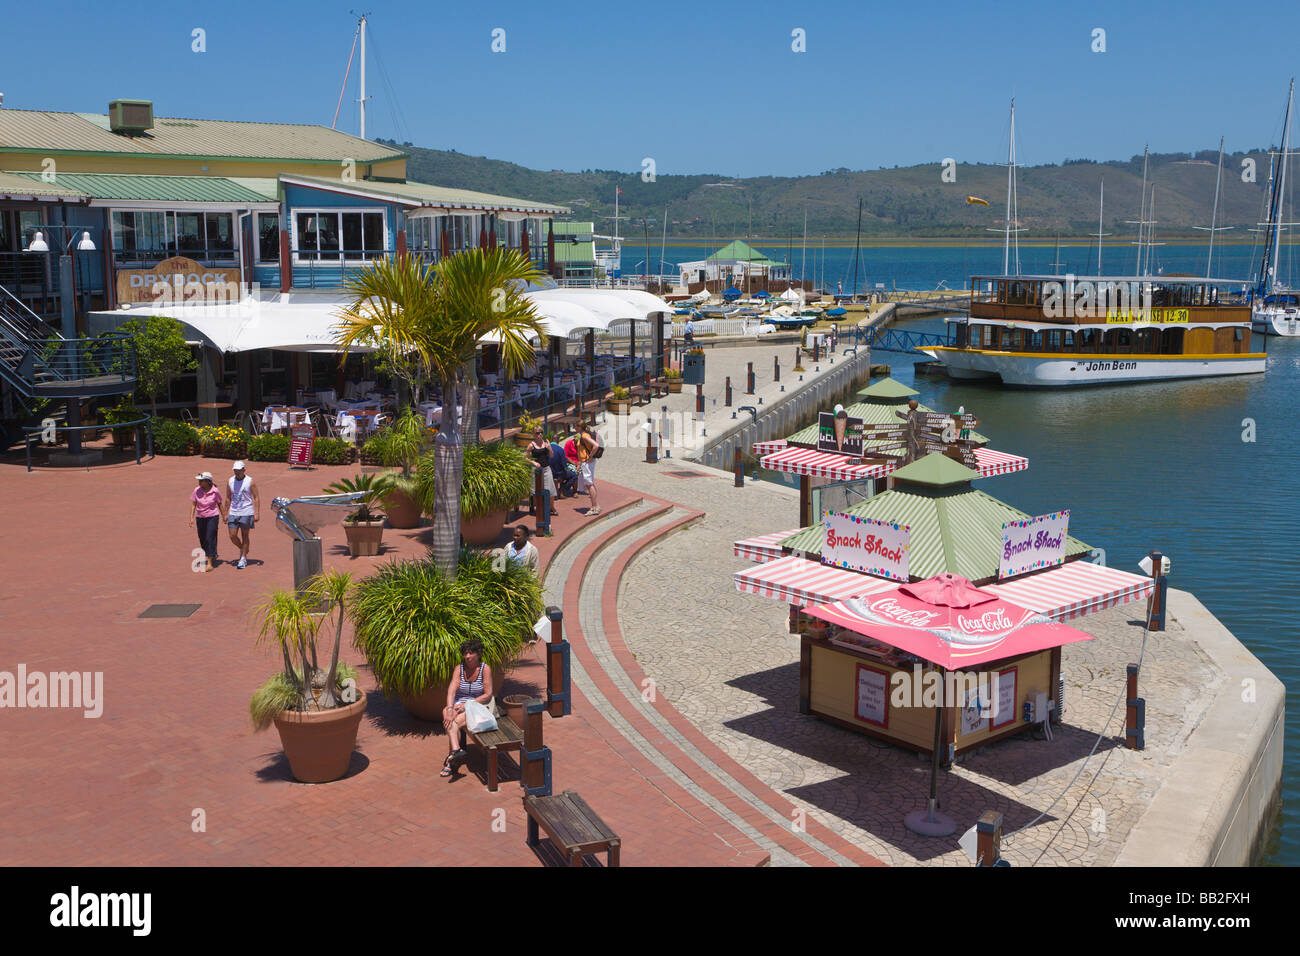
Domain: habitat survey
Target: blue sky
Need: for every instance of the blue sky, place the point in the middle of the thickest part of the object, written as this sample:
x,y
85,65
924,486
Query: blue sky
x,y
700,87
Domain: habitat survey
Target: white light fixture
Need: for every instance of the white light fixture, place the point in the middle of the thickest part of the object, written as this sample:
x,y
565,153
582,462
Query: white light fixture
x,y
1146,565
86,244
38,243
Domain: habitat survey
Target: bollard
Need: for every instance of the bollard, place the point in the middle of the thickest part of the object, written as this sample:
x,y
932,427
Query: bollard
x,y
699,401
651,453
776,369
1157,620
750,389
988,839
728,391
740,469
1135,716
535,502
559,700
817,350
534,757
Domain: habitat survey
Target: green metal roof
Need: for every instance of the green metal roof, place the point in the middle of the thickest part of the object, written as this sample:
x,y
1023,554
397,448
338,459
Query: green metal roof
x,y
422,194
871,413
743,252
956,531
54,133
582,251
889,390
936,470
20,186
160,188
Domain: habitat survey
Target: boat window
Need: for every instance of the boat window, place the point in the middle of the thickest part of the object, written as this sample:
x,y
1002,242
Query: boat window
x,y
1171,341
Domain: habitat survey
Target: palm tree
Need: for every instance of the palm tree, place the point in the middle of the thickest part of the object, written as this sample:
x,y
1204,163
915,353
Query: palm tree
x,y
439,315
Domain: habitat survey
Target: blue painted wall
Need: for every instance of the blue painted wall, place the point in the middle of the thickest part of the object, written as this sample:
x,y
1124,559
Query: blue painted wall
x,y
324,274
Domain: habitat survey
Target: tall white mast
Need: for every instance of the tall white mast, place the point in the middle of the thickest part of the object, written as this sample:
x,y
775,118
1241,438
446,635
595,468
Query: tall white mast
x,y
1101,207
803,268
1142,214
1214,215
1011,172
363,98
1281,192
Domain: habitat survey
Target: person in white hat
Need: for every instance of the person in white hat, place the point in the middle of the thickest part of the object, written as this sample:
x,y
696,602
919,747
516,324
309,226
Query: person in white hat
x,y
243,504
206,509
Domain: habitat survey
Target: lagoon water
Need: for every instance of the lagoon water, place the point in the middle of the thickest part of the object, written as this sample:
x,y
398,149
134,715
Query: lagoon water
x,y
1204,470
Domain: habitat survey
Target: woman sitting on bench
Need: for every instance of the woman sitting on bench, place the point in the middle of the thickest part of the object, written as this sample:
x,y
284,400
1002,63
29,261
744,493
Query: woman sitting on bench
x,y
471,681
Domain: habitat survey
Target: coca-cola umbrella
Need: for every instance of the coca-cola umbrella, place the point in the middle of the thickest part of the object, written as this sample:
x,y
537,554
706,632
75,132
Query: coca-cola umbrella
x,y
948,621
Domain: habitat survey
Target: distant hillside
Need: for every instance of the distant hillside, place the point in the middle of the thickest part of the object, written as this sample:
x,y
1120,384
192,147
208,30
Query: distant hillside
x,y
907,202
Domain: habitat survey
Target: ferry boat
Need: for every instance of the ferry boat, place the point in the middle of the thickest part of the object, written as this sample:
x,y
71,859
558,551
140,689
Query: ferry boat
x,y
1055,331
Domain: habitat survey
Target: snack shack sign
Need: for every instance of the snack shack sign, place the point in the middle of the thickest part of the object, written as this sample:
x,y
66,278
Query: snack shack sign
x,y
1033,543
178,279
865,544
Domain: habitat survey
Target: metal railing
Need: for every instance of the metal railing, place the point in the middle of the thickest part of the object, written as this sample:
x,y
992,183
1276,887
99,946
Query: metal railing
x,y
135,425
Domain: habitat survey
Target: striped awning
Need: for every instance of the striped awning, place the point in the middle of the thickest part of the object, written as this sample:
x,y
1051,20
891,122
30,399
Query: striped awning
x,y
797,580
764,547
1069,591
1075,589
819,464
767,447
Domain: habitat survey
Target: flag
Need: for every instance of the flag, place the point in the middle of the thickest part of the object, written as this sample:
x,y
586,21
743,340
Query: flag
x,y
620,190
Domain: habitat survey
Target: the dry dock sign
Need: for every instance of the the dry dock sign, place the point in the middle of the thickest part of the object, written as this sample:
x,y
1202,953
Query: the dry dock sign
x,y
1033,543
177,279
865,544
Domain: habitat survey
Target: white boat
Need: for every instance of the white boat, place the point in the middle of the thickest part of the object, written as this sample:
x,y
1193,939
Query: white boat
x,y
1276,310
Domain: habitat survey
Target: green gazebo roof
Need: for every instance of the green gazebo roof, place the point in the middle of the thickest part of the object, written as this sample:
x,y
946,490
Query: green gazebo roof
x,y
888,390
936,470
956,529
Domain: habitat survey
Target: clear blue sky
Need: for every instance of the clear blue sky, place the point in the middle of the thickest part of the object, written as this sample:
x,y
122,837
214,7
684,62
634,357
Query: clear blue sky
x,y
699,86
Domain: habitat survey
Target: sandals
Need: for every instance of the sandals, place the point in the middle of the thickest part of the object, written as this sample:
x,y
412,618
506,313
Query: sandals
x,y
453,761
447,768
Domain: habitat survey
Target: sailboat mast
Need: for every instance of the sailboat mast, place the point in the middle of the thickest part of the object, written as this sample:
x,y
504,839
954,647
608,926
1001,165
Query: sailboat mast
x,y
1142,214
857,249
803,264
1271,278
363,76
1151,232
1214,215
1101,207
1011,168
663,246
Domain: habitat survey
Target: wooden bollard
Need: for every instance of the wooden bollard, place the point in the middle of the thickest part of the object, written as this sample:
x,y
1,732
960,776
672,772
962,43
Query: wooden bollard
x,y
535,504
651,452
728,399
988,839
740,469
699,401
1157,620
750,389
558,700
534,758
776,369
798,358
817,351
1135,714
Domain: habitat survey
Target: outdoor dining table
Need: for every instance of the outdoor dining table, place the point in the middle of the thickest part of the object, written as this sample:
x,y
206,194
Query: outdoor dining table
x,y
281,417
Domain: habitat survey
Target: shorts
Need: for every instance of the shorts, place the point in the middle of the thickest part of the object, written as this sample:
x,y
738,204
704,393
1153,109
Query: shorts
x,y
240,521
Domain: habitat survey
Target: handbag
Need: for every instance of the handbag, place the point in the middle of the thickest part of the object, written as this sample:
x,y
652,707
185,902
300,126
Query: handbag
x,y
478,719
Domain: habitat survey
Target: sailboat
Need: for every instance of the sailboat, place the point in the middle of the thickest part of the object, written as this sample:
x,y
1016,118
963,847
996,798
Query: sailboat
x,y
1276,309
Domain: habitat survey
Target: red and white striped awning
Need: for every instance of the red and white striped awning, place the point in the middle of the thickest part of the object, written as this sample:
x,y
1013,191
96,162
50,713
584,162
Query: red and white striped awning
x,y
1075,589
764,547
797,580
819,464
767,447
1069,591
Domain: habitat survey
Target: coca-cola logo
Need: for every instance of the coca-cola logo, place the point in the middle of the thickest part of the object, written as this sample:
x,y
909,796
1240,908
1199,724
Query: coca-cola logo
x,y
992,623
912,617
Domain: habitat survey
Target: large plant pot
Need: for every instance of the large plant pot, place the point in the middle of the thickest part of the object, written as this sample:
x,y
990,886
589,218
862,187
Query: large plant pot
x,y
514,705
617,406
364,537
481,532
523,441
428,704
319,743
674,385
402,510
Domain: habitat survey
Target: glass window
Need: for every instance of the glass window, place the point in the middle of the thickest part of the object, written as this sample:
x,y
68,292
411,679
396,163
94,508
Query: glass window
x,y
189,233
268,237
220,235
353,244
373,233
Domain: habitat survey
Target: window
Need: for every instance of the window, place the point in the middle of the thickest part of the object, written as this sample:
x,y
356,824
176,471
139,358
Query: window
x,y
268,237
324,235
153,236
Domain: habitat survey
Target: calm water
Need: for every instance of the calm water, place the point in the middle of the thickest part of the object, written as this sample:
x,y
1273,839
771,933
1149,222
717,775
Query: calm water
x,y
1160,466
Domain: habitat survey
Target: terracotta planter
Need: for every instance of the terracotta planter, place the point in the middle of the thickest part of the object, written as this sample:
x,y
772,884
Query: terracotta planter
x,y
428,704
674,385
402,511
522,440
364,537
319,743
617,406
514,704
481,532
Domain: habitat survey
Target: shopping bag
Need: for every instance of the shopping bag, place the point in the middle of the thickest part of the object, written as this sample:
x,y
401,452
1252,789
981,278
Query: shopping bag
x,y
478,719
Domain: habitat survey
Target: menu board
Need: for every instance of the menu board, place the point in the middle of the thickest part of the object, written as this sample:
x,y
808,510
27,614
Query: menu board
x,y
1004,698
839,434
302,441
872,698
1033,543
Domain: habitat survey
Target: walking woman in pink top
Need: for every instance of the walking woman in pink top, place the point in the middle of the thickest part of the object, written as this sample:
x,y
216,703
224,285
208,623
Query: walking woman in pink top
x,y
207,509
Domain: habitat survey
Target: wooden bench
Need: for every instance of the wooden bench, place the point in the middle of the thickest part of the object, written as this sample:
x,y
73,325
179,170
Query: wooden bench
x,y
639,392
573,827
659,386
506,737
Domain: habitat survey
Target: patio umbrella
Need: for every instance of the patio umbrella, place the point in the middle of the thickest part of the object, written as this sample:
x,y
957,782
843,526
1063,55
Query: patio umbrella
x,y
731,293
948,621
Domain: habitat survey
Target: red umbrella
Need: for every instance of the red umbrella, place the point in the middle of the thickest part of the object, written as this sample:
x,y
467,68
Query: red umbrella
x,y
949,621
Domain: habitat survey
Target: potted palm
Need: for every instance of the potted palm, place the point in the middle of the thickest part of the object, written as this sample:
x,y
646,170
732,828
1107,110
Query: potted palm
x,y
400,445
364,528
674,379
410,619
496,477
619,401
316,712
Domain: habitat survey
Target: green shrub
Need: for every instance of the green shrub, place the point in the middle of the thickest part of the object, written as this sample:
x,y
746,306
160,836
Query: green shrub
x,y
222,441
619,393
411,619
268,447
496,476
172,437
332,451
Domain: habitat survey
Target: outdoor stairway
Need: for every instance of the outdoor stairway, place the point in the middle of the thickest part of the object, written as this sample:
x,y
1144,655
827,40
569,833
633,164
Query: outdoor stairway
x,y
643,727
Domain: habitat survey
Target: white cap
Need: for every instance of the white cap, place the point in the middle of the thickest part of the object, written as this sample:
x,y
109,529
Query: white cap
x,y
237,466
203,476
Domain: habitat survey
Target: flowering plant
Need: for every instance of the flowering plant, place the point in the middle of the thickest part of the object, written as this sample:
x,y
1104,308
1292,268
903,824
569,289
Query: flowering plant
x,y
222,441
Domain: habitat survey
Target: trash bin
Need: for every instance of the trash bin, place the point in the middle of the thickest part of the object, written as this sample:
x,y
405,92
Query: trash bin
x,y
693,369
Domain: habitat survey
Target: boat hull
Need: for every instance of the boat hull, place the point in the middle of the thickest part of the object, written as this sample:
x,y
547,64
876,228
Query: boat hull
x,y
1276,321
1066,370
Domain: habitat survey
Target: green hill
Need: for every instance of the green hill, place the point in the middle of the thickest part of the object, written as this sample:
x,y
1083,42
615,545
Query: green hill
x,y
907,201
